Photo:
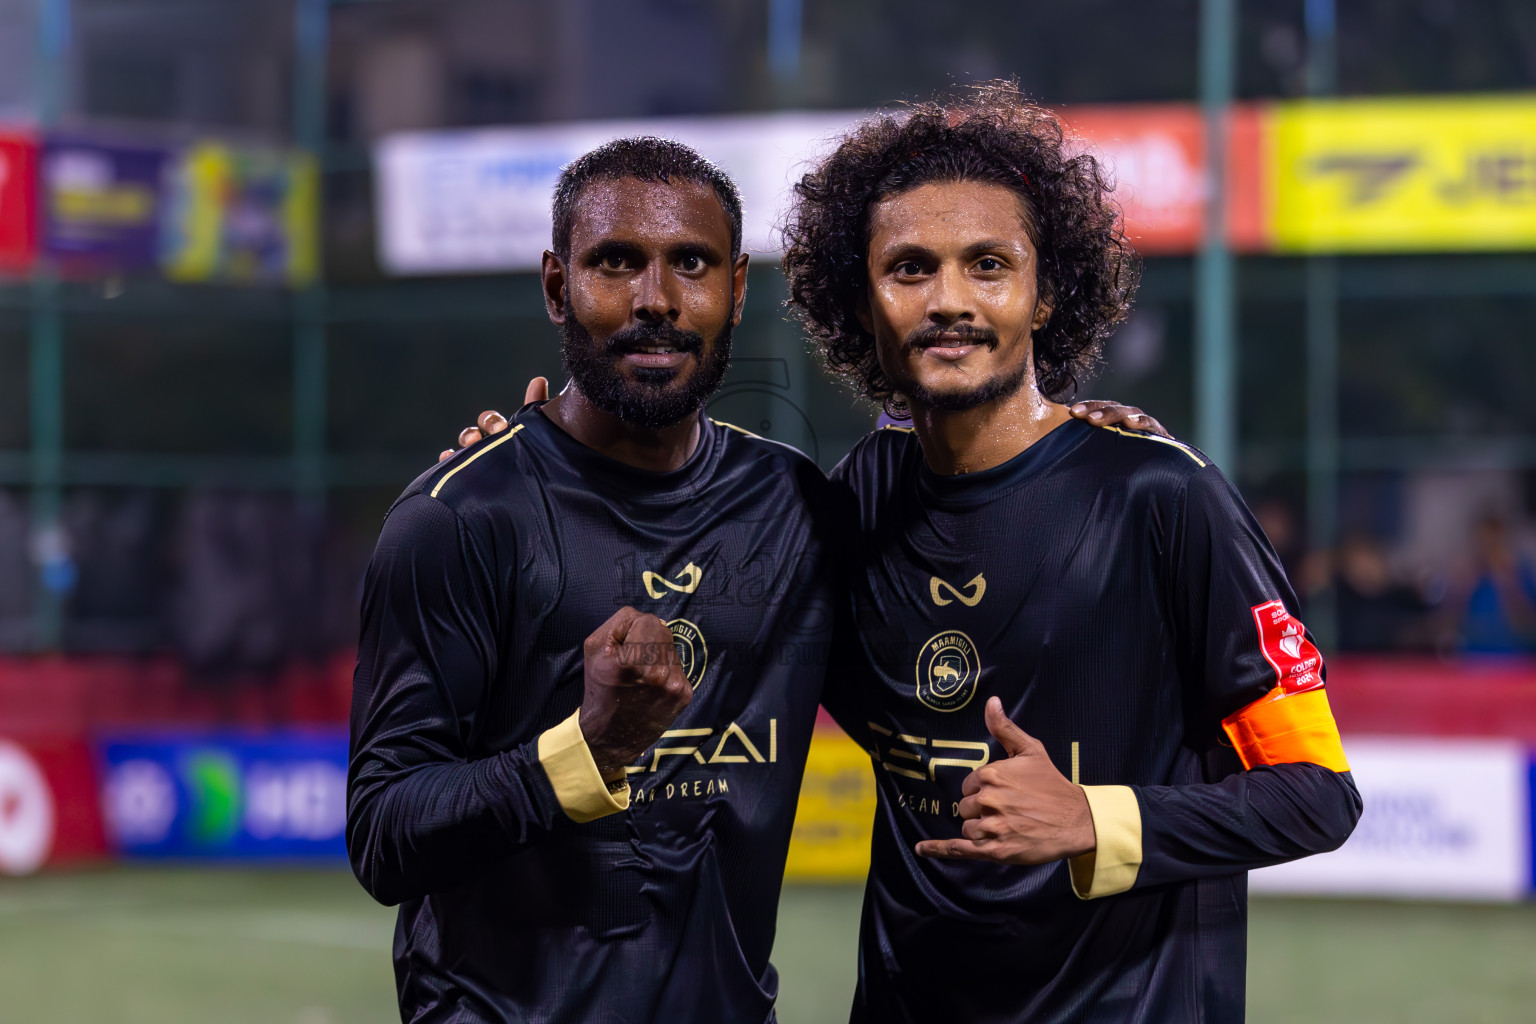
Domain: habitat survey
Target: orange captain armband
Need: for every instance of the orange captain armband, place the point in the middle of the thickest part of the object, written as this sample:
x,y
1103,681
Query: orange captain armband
x,y
1286,728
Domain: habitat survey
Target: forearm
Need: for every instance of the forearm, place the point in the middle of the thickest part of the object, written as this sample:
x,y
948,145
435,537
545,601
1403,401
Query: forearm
x,y
411,831
1247,663
1268,815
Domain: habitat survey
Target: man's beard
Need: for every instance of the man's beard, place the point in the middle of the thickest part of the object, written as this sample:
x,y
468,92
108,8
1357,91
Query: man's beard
x,y
651,400
958,400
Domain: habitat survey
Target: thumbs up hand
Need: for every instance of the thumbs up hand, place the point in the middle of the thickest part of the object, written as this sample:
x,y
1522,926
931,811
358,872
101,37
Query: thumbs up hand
x,y
1020,810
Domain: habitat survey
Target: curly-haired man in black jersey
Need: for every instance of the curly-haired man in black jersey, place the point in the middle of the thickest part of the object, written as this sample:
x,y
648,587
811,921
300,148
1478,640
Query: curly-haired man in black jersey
x,y
1095,605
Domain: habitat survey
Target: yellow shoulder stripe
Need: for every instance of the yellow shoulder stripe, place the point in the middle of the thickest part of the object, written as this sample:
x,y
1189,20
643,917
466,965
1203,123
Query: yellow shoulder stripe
x,y
731,426
449,475
1197,460
904,430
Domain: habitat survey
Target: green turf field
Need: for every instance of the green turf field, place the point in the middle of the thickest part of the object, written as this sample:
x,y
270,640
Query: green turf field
x,y
182,946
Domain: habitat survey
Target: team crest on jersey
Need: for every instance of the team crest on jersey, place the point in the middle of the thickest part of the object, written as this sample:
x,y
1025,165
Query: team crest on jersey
x,y
691,649
948,671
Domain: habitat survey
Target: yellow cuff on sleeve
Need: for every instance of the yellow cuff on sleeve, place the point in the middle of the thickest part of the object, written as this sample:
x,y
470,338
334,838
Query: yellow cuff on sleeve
x,y
578,785
1112,865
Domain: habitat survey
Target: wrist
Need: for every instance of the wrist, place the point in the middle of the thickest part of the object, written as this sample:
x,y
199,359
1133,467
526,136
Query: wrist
x,y
1084,838
608,765
579,786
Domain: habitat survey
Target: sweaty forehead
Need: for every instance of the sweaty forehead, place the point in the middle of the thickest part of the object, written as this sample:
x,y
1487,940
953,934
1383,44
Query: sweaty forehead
x,y
950,213
649,214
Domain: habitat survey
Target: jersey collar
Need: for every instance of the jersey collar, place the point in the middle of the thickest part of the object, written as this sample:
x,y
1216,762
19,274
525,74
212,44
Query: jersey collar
x,y
634,483
980,488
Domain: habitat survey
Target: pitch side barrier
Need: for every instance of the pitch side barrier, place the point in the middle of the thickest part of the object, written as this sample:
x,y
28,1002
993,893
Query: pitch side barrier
x,y
1444,755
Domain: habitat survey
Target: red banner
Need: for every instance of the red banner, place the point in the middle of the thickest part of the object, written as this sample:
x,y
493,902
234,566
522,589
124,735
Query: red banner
x,y
1157,155
50,811
18,202
1250,202
1419,696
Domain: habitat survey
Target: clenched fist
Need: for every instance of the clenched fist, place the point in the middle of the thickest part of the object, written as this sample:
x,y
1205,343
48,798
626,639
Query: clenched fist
x,y
1020,810
635,689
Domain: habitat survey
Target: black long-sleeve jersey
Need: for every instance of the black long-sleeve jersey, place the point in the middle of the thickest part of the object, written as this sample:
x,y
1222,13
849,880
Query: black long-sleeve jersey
x,y
1114,591
528,891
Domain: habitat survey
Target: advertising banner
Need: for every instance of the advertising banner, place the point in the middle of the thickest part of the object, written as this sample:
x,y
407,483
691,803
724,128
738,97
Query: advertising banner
x,y
49,813
457,201
242,215
1420,174
226,796
1443,819
18,202
1250,212
1157,157
101,203
836,814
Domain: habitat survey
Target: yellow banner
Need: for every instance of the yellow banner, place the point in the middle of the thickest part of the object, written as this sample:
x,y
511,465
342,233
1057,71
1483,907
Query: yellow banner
x,y
836,814
1405,175
243,215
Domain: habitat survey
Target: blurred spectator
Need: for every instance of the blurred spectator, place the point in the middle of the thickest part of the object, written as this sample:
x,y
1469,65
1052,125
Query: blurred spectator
x,y
1500,610
1378,609
233,583
16,573
119,542
250,585
1277,518
1310,571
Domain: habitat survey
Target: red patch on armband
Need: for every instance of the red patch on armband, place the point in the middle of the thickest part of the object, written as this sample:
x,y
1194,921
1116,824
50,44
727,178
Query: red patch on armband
x,y
1283,639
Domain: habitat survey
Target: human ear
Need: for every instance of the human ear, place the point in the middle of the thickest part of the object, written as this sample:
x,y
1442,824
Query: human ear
x,y
739,286
553,277
1043,313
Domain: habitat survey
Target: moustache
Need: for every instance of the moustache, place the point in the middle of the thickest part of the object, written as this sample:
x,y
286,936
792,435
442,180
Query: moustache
x,y
655,335
929,335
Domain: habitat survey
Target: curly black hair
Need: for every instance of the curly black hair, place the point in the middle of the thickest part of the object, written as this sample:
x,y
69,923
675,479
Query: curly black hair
x,y
989,133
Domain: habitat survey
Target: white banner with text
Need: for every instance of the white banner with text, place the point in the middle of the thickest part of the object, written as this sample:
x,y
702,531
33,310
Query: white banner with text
x,y
1443,819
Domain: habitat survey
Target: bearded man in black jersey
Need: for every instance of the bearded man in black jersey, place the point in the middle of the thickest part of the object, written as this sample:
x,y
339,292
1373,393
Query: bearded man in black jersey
x,y
592,650
1090,704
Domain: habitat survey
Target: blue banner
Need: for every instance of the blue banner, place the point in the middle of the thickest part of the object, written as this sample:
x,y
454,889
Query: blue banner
x,y
102,203
226,796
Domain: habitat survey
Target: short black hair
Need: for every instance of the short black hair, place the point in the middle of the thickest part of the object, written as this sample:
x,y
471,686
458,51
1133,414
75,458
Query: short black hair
x,y
1087,271
649,159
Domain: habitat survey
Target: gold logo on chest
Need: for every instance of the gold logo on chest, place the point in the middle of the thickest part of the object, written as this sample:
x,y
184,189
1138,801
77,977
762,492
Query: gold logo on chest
x,y
691,573
977,587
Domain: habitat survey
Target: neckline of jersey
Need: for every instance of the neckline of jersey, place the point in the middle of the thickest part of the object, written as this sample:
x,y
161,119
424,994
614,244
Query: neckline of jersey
x,y
980,488
636,483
